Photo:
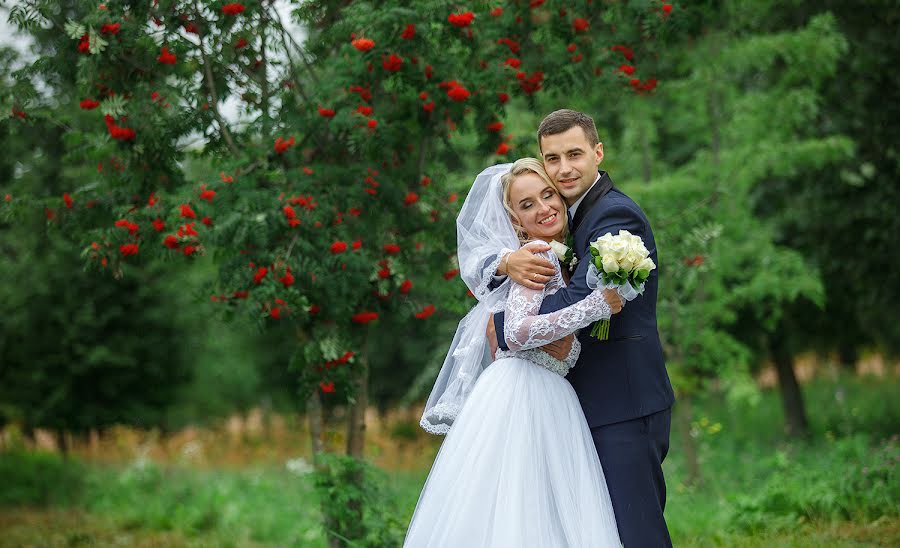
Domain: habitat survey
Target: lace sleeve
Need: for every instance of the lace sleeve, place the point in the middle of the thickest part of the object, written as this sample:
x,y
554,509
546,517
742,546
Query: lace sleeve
x,y
524,328
489,278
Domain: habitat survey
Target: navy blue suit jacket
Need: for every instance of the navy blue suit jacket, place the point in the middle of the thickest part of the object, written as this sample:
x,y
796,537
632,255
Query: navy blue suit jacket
x,y
624,377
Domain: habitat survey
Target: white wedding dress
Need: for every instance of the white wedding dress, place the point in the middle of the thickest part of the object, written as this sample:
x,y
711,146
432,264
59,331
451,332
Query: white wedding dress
x,y
518,467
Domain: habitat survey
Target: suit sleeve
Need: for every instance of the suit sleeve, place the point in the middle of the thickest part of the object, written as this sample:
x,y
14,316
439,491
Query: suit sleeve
x,y
614,219
489,274
489,279
618,217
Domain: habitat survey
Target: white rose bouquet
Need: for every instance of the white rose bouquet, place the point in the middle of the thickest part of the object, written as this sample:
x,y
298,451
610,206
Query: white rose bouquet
x,y
622,262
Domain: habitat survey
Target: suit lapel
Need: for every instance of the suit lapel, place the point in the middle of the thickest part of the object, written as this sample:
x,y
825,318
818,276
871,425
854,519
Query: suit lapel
x,y
603,186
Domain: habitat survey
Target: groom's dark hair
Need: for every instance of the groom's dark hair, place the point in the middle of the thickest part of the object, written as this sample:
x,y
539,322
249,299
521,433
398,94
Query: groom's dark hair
x,y
563,120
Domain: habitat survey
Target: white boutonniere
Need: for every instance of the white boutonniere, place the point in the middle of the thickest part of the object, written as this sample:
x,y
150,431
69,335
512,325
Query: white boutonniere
x,y
564,253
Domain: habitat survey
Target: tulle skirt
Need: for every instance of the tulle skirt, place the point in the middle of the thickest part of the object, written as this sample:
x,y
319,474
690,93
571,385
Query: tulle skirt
x,y
518,468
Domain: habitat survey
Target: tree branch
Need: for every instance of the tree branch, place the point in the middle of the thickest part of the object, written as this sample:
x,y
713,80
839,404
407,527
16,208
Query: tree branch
x,y
264,79
290,248
214,105
249,169
287,50
214,101
306,64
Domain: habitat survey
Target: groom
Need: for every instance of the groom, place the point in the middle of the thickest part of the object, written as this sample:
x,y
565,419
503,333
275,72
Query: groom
x,y
621,382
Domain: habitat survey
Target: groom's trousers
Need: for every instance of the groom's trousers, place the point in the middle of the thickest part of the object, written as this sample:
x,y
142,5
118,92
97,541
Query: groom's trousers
x,y
631,453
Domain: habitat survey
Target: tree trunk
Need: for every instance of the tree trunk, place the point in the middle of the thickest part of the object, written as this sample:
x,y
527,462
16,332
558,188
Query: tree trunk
x,y
356,424
356,440
265,406
685,413
848,355
795,423
314,416
30,436
62,443
94,442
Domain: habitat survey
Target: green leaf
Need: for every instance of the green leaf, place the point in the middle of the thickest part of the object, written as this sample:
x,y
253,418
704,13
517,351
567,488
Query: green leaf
x,y
74,30
113,106
96,43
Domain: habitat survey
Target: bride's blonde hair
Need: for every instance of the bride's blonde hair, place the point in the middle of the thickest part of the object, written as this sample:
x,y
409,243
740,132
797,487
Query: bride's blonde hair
x,y
521,167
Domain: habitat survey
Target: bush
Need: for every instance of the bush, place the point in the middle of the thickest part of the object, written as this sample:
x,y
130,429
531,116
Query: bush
x,y
852,405
39,479
843,480
348,487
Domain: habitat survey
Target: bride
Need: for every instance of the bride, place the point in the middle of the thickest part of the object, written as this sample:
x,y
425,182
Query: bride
x,y
518,467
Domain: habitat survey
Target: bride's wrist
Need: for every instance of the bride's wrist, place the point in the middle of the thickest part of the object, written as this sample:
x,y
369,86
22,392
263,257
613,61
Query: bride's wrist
x,y
502,269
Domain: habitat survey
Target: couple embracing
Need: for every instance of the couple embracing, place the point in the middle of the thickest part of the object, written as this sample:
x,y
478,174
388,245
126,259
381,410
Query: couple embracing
x,y
554,438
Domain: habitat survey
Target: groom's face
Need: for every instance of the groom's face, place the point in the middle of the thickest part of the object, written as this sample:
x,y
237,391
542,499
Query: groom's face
x,y
571,161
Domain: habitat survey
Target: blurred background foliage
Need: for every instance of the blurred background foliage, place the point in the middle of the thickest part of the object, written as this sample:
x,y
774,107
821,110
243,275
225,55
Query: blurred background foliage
x,y
766,159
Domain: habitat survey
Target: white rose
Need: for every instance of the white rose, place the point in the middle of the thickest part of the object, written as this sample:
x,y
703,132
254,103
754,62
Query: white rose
x,y
610,264
601,244
617,248
646,264
559,248
642,250
626,235
629,261
608,237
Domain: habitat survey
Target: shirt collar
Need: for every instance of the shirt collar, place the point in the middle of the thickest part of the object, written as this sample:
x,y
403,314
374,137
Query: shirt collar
x,y
574,207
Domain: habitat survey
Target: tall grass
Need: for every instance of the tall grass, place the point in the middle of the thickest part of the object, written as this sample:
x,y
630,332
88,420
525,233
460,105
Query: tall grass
x,y
267,505
758,488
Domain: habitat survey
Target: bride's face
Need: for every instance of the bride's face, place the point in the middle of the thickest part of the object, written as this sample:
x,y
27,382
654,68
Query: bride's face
x,y
540,210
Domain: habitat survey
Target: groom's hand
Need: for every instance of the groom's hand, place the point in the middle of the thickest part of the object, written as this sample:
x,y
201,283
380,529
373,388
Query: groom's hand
x,y
560,349
526,268
491,335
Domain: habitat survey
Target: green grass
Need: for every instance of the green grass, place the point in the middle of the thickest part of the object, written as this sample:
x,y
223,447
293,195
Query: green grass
x,y
758,484
262,506
839,488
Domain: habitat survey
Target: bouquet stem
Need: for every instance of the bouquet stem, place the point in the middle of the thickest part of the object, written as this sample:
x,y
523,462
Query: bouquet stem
x,y
601,330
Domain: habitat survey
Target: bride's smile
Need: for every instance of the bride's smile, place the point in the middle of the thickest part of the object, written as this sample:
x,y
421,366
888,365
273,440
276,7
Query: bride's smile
x,y
549,220
537,207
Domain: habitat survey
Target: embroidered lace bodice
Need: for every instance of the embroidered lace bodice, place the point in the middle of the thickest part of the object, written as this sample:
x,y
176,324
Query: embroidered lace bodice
x,y
541,358
525,329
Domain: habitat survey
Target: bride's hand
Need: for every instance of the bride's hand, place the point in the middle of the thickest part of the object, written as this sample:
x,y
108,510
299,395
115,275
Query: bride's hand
x,y
526,268
614,300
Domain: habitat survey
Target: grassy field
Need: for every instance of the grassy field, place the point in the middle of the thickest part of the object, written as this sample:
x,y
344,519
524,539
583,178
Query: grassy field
x,y
68,527
840,488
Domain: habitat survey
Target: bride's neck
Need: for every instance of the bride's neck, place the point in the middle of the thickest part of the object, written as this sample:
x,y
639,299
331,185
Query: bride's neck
x,y
558,238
